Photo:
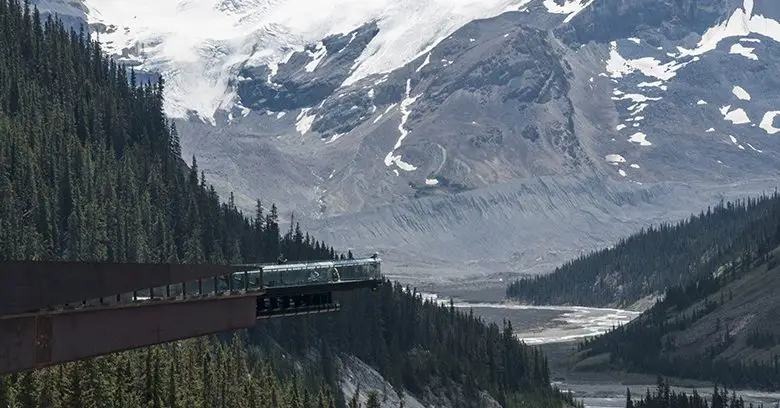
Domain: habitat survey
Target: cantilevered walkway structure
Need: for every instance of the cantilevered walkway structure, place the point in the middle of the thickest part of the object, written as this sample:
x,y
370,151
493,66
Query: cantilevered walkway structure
x,y
55,312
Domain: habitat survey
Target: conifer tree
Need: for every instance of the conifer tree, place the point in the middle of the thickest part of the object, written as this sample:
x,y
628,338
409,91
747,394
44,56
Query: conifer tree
x,y
373,400
354,402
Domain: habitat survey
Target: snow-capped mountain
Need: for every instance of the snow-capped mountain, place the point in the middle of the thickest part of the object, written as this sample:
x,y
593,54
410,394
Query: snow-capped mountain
x,y
445,133
203,46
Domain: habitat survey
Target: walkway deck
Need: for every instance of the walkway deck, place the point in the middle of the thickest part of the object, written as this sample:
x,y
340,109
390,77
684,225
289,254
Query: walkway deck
x,y
54,312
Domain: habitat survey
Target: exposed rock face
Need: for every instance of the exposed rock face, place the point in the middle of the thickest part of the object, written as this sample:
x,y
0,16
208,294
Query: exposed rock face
x,y
609,20
357,374
514,143
308,77
73,14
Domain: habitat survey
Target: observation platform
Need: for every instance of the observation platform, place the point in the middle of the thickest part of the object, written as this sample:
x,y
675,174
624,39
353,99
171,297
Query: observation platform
x,y
55,312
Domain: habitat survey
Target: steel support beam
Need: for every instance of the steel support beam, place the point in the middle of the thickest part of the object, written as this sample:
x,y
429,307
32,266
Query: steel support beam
x,y
321,288
39,340
31,286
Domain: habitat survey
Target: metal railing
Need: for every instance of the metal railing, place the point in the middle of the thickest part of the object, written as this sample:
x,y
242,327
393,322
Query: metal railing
x,y
310,273
255,278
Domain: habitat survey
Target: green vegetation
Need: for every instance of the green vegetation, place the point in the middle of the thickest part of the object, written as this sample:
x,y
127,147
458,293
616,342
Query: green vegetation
x,y
192,373
716,321
761,340
659,257
421,346
664,397
90,170
721,329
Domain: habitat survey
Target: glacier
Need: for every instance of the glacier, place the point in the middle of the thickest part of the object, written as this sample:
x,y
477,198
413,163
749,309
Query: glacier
x,y
199,45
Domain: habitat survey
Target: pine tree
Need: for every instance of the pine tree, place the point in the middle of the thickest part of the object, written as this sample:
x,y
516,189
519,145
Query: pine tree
x,y
354,402
172,397
373,400
28,390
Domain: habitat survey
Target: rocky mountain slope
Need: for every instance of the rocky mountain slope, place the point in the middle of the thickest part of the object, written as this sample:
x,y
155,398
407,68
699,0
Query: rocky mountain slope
x,y
72,13
722,329
645,264
471,137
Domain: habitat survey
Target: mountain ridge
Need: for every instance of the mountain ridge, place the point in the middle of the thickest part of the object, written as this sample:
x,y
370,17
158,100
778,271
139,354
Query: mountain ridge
x,y
624,92
660,257
98,177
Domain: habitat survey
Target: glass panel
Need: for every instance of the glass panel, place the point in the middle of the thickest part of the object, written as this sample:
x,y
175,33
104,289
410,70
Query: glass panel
x,y
255,278
237,282
320,272
207,285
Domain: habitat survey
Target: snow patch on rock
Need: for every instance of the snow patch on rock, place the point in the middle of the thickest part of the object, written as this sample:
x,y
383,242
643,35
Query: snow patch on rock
x,y
304,121
570,7
736,116
746,52
614,159
640,139
767,123
392,158
741,93
741,24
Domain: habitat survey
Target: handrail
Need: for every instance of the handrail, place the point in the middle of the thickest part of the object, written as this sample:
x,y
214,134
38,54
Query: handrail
x,y
311,264
321,272
28,286
252,278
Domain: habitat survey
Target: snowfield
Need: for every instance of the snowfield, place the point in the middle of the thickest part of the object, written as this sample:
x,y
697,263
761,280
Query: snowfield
x,y
198,45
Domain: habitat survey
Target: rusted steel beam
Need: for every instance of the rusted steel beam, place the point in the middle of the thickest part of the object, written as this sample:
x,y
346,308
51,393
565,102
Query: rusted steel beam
x,y
30,286
270,314
36,341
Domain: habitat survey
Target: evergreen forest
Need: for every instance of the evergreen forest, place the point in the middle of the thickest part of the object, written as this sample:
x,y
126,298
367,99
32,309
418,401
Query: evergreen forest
x,y
664,397
700,330
91,170
658,257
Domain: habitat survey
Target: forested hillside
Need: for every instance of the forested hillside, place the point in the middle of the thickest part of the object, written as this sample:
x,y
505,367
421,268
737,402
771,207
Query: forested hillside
x,y
421,347
90,169
722,328
659,257
662,396
192,373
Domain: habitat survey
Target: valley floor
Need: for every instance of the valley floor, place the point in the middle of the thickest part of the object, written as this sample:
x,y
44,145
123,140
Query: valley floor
x,y
557,329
